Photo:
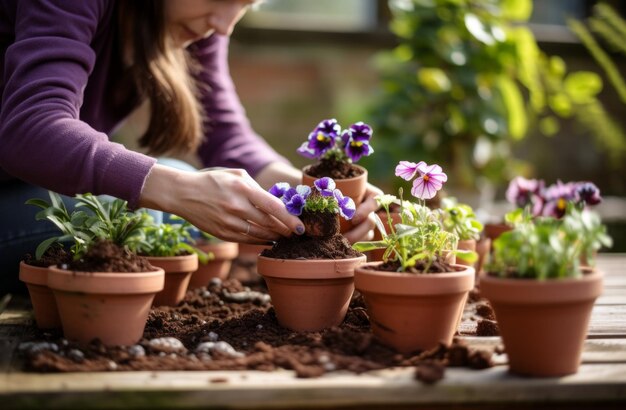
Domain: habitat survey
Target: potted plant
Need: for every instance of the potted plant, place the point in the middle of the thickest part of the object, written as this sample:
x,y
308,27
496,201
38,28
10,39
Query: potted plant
x,y
106,291
34,270
541,295
337,152
220,256
461,220
415,296
168,246
310,277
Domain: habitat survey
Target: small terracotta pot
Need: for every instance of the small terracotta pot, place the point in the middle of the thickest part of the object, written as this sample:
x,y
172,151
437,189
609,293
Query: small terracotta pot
x,y
411,312
543,324
178,270
466,245
218,267
112,307
248,253
494,230
355,188
309,295
41,297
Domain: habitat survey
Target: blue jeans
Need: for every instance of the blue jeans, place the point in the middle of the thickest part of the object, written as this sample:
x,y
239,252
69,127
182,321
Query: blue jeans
x,y
20,233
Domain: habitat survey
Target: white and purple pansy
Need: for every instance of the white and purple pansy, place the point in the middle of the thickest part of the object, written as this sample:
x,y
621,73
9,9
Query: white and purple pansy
x,y
325,186
429,181
347,207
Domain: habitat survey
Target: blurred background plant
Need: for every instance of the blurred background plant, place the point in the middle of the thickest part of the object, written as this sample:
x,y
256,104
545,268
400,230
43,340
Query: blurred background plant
x,y
466,82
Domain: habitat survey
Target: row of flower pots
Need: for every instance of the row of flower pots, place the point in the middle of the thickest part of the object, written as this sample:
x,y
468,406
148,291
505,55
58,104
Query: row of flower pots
x,y
416,291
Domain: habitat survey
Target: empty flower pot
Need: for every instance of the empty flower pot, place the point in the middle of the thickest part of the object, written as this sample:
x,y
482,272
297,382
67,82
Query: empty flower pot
x,y
178,270
218,267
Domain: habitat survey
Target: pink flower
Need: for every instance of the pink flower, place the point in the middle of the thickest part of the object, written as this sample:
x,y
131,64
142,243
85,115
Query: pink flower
x,y
407,170
430,181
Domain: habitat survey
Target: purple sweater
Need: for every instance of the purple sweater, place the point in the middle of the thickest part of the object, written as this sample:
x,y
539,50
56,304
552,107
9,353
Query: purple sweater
x,y
57,64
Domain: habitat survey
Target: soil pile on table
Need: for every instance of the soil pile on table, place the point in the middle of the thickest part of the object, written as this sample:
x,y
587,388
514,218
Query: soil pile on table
x,y
230,326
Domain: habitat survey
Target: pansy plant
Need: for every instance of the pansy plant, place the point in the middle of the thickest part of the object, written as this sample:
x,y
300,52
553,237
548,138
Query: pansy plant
x,y
328,141
324,198
420,240
553,200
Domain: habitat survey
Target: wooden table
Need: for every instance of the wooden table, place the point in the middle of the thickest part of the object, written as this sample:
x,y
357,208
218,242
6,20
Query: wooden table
x,y
600,382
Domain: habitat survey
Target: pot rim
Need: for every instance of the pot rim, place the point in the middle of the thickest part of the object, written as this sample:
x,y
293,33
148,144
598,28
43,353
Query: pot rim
x,y
221,250
363,175
34,275
122,283
400,283
308,268
175,264
534,291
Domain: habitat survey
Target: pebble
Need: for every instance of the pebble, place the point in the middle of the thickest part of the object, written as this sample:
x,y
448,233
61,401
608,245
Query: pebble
x,y
111,365
167,345
220,347
213,337
215,282
137,351
206,294
36,347
76,355
246,296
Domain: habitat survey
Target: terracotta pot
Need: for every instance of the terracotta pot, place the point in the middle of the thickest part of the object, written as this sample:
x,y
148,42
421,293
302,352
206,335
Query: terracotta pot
x,y
41,297
411,312
494,230
112,307
543,324
248,253
178,270
466,245
218,267
355,188
482,249
309,295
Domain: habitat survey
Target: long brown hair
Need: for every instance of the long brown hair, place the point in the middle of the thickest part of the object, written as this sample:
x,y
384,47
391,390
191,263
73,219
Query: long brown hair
x,y
161,74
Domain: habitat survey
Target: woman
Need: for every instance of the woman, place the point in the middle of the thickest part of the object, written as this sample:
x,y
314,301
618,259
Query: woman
x,y
73,70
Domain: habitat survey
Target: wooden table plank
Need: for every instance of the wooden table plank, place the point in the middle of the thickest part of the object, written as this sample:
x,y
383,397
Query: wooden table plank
x,y
390,387
600,382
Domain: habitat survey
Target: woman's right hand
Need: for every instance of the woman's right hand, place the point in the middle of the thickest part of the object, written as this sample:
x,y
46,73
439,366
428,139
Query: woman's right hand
x,y
226,203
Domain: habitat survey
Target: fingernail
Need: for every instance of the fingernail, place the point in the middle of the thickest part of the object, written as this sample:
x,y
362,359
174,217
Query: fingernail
x,y
299,229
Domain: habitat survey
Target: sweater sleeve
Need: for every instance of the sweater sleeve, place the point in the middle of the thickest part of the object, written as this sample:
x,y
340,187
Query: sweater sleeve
x,y
229,140
43,140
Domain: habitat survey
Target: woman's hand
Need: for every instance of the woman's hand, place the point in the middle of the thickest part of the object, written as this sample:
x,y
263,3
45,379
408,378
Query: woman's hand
x,y
363,220
226,203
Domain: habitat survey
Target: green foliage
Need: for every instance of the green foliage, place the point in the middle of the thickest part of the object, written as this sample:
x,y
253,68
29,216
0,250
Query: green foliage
x,y
609,29
167,239
468,80
103,220
548,248
460,220
317,203
419,237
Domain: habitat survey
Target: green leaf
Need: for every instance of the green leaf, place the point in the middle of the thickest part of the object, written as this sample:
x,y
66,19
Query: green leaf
x,y
517,10
582,86
549,126
478,29
369,246
516,114
43,247
433,79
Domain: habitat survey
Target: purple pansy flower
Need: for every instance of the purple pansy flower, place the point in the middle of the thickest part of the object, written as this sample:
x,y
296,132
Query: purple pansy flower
x,y
407,170
321,139
589,193
522,192
430,181
347,208
325,185
356,141
295,199
279,189
557,196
